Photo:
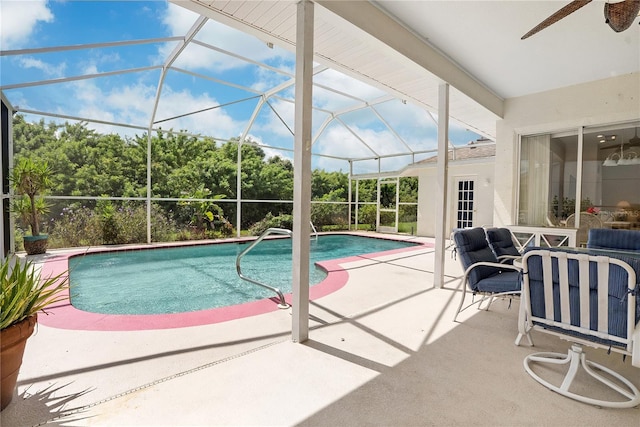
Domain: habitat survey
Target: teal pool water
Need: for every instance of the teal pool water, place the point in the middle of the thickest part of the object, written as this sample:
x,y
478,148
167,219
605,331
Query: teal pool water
x,y
191,278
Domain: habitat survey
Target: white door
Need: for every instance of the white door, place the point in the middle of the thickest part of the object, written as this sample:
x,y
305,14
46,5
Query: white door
x,y
465,203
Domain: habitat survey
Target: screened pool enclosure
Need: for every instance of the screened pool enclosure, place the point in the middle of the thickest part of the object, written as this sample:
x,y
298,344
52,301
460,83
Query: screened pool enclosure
x,y
195,120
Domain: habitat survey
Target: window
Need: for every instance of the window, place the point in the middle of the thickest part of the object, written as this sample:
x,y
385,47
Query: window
x,y
465,203
556,171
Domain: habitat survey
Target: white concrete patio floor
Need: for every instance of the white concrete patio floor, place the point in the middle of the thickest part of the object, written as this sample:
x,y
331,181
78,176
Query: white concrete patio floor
x,y
383,351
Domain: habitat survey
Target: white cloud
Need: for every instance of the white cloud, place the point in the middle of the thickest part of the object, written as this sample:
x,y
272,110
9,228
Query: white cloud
x,y
48,69
213,122
339,141
133,104
18,20
271,152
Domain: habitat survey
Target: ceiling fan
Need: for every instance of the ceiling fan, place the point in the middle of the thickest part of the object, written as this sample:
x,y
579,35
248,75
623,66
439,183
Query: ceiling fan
x,y
619,15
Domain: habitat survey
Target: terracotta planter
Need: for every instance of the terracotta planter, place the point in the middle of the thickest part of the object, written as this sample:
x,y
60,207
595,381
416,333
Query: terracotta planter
x,y
12,343
35,245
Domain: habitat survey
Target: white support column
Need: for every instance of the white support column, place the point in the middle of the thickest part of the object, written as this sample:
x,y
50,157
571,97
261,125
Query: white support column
x,y
349,198
442,178
239,189
302,170
378,199
579,179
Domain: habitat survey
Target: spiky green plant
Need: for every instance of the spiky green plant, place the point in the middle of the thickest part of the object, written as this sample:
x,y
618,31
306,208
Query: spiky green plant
x,y
25,292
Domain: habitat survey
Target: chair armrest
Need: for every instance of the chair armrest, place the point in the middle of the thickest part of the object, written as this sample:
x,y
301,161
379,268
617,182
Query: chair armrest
x,y
505,258
497,265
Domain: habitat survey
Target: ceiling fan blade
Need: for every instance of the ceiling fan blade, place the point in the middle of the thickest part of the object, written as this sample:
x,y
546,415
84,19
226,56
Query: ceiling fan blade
x,y
562,13
621,15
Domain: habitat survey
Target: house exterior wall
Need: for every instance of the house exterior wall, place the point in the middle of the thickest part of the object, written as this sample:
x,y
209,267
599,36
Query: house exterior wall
x,y
612,100
480,171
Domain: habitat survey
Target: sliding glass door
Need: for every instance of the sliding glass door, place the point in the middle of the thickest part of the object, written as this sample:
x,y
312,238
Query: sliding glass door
x,y
585,178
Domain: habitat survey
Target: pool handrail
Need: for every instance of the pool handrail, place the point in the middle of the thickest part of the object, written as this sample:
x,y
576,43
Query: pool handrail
x,y
282,231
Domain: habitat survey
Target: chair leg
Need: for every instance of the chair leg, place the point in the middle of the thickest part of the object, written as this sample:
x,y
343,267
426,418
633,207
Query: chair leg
x,y
528,335
463,282
491,299
575,358
523,327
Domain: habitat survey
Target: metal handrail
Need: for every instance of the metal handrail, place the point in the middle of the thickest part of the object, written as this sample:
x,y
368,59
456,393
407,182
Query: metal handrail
x,y
313,228
283,303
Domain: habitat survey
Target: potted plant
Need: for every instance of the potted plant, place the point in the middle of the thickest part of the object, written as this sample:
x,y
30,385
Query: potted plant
x,y
31,179
24,294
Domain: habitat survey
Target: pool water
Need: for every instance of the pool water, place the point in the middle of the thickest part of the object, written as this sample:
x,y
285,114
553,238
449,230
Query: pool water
x,y
191,278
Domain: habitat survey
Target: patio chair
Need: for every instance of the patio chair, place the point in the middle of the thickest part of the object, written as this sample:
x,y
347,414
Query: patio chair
x,y
483,274
587,222
607,238
588,300
502,244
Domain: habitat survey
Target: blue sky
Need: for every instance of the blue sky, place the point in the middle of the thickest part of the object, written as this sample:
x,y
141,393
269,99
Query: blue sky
x,y
202,79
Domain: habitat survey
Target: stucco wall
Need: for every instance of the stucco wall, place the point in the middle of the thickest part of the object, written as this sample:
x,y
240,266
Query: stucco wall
x,y
481,172
612,100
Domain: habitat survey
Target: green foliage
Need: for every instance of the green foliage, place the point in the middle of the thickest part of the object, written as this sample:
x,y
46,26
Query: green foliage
x,y
21,207
367,190
24,292
83,226
111,228
75,226
270,221
568,206
367,215
203,212
86,163
324,214
408,227
408,213
30,178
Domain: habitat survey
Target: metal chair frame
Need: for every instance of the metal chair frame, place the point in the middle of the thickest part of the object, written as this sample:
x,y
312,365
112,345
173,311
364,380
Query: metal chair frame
x,y
581,334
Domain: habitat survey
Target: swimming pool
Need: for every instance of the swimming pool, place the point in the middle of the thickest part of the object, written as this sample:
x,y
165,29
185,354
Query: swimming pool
x,y
192,278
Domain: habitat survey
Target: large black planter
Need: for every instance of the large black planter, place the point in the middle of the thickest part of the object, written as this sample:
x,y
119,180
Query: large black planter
x,y
35,245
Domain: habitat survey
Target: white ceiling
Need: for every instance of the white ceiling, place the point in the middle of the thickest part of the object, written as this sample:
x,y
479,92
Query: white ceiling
x,y
483,37
473,45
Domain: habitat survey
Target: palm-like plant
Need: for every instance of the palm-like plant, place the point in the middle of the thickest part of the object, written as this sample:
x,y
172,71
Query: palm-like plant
x,y
31,179
25,292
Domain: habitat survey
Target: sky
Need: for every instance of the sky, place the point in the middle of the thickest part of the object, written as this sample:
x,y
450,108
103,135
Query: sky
x,y
213,88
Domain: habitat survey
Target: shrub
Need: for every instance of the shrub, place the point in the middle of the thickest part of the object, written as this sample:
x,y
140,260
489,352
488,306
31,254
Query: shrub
x,y
367,215
75,226
270,221
323,214
82,226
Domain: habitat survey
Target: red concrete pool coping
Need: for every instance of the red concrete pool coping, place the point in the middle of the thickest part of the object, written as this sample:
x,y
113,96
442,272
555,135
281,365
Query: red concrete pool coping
x,y
64,315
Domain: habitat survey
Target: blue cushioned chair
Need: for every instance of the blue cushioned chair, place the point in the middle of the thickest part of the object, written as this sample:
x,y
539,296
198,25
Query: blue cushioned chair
x,y
501,242
483,274
589,299
606,238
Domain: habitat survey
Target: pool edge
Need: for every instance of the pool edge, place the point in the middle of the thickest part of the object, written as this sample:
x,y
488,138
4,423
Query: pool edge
x,y
63,315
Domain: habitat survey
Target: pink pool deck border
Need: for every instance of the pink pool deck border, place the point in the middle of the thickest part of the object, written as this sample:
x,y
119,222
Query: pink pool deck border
x,y
63,315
